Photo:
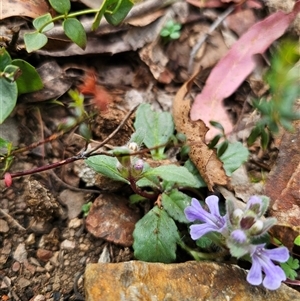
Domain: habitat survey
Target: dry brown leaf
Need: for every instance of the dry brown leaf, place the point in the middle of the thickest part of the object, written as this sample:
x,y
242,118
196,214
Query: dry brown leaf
x,y
283,188
28,8
205,159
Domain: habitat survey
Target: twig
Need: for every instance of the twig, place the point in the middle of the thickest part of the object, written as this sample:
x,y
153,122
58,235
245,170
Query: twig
x,y
12,220
80,156
203,38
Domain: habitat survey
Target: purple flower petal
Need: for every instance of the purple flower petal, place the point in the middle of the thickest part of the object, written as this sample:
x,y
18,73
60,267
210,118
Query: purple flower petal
x,y
254,276
213,204
280,254
272,283
262,261
195,211
201,229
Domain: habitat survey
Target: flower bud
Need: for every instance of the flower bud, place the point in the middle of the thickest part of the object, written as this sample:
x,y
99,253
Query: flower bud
x,y
138,165
237,216
133,146
256,227
239,236
7,179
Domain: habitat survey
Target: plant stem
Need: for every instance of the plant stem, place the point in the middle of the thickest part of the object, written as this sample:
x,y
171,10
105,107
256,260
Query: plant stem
x,y
201,255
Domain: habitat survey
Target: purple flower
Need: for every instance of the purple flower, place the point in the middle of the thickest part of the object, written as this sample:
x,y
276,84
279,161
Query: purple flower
x,y
262,262
212,221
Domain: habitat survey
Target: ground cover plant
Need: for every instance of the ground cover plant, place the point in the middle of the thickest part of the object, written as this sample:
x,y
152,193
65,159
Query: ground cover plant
x,y
173,165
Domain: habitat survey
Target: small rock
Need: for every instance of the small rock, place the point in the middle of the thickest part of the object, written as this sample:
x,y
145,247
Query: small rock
x,y
44,255
68,245
112,219
3,226
135,280
16,266
104,256
49,267
75,223
30,240
20,253
74,201
38,298
6,282
23,282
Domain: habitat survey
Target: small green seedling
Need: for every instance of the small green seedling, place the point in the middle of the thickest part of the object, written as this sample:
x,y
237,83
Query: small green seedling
x,y
171,30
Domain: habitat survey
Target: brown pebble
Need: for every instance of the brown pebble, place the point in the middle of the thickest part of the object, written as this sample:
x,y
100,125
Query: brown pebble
x,y
44,255
16,266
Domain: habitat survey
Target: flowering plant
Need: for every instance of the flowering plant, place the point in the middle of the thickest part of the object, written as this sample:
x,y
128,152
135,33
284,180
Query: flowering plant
x,y
239,231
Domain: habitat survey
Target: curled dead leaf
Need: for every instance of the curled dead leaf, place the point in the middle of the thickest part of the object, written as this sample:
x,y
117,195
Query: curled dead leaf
x,y
205,159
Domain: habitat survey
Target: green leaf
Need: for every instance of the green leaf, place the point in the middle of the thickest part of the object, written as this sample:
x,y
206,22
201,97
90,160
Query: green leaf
x,y
8,98
39,23
222,148
120,10
289,267
256,131
190,166
265,138
29,81
158,128
174,203
173,173
75,31
107,166
35,41
155,237
61,6
297,241
4,143
11,72
235,155
5,58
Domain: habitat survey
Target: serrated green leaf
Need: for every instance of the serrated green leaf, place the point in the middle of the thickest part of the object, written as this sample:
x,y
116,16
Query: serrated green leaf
x,y
40,21
5,58
75,31
61,6
158,128
8,98
107,166
30,80
119,11
35,41
173,173
155,237
235,155
174,203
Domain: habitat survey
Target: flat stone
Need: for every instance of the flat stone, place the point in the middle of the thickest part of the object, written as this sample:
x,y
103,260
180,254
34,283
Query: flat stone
x,y
189,281
112,219
3,226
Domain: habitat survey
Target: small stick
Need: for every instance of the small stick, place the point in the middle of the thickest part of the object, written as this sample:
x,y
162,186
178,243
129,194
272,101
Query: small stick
x,y
12,220
203,38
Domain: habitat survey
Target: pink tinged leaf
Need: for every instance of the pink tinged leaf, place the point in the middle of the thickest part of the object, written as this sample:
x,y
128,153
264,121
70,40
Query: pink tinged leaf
x,y
236,65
